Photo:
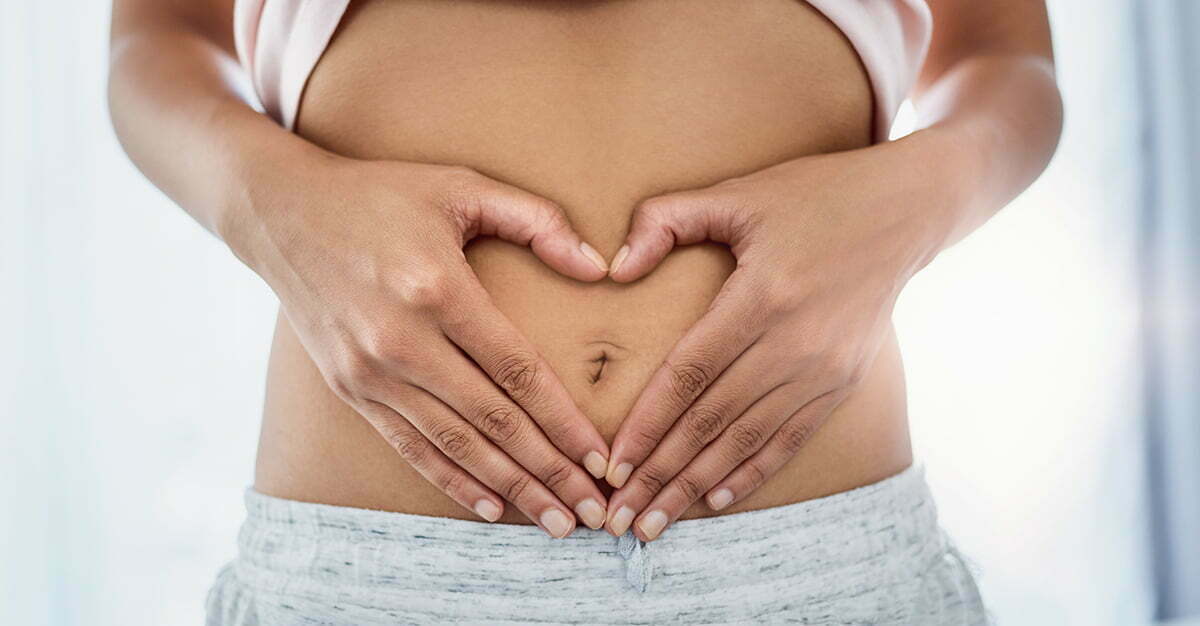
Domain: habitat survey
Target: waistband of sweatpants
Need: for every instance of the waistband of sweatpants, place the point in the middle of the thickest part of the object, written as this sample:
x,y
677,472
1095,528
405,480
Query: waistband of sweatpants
x,y
889,528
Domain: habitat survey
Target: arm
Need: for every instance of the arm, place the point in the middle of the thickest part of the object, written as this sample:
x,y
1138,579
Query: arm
x,y
987,94
824,246
366,258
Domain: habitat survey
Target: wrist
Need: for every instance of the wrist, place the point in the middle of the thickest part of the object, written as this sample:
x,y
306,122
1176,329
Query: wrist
x,y
946,168
990,123
259,196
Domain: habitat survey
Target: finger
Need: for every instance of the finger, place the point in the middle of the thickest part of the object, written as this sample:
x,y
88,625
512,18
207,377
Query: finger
x,y
459,383
439,470
489,339
776,452
467,448
663,222
731,325
742,438
741,386
523,218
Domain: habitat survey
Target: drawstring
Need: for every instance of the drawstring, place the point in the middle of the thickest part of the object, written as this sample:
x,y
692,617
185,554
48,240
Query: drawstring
x,y
637,563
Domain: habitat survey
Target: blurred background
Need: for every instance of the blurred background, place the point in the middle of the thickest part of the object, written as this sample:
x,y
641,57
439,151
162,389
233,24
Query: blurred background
x,y
1053,356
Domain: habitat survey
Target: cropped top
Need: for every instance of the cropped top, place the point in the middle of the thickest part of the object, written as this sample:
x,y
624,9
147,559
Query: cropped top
x,y
280,41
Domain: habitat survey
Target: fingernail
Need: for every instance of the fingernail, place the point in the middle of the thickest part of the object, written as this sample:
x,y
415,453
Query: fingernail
x,y
555,522
487,510
595,463
593,256
720,499
620,475
653,523
620,521
591,513
617,260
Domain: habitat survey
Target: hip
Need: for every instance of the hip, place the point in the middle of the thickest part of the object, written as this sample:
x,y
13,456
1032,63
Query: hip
x,y
875,554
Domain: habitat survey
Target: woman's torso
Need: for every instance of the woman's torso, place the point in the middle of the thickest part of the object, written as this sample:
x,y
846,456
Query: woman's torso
x,y
594,105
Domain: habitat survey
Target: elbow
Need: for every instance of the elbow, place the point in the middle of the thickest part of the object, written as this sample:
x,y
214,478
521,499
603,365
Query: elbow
x,y
1045,101
117,88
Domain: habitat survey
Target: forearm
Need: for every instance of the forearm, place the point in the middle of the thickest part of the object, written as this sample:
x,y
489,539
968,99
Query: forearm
x,y
178,111
988,127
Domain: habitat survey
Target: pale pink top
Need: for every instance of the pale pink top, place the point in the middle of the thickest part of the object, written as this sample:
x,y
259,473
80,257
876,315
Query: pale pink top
x,y
280,41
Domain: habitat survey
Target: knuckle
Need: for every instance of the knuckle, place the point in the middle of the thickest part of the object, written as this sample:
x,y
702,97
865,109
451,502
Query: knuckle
x,y
550,214
356,374
344,388
796,434
517,374
499,422
410,444
745,438
411,448
381,346
703,423
748,216
455,441
515,487
688,380
453,483
557,476
650,479
653,216
689,486
643,440
755,474
422,289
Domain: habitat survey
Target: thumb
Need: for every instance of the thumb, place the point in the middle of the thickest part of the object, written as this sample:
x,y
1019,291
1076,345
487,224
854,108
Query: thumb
x,y
526,219
663,222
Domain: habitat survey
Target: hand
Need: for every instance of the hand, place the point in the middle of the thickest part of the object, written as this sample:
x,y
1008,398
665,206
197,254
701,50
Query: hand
x,y
824,245
367,260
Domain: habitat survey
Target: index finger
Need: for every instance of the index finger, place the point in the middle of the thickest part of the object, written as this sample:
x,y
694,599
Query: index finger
x,y
490,339
731,325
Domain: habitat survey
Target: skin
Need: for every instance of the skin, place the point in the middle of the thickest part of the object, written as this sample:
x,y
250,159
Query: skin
x,y
822,256
595,106
491,422
339,309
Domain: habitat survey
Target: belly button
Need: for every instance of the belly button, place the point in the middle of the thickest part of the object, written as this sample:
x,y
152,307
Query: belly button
x,y
607,351
598,364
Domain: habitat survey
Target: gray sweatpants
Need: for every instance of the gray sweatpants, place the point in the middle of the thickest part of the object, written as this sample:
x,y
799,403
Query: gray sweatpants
x,y
872,555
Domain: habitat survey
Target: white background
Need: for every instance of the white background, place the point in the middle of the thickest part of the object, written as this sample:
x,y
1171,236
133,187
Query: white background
x,y
133,350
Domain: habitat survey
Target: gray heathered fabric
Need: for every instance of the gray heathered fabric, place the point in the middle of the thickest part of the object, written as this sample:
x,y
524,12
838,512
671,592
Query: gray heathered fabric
x,y
872,555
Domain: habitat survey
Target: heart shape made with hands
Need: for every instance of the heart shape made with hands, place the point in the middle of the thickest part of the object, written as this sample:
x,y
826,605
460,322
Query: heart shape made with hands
x,y
734,399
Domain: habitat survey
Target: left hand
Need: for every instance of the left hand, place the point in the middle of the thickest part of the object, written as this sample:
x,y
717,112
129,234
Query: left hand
x,y
824,245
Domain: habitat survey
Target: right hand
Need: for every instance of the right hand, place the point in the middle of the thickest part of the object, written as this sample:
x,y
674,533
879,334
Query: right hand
x,y
367,260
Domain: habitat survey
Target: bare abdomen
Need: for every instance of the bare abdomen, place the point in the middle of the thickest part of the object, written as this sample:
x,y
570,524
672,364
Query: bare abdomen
x,y
594,105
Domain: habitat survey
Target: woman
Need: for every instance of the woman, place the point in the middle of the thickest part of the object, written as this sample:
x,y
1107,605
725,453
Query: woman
x,y
518,242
